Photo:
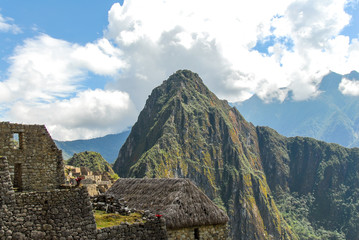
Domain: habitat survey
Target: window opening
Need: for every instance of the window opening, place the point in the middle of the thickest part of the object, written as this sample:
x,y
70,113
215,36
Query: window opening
x,y
196,234
16,140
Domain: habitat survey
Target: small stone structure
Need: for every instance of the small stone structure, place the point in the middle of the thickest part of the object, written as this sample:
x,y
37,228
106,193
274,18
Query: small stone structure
x,y
95,182
35,205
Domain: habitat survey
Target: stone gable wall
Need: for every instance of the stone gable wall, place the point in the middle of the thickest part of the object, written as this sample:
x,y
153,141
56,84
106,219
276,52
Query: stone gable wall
x,y
37,155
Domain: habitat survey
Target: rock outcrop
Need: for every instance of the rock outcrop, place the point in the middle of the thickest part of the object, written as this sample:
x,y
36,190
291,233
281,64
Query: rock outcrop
x,y
186,131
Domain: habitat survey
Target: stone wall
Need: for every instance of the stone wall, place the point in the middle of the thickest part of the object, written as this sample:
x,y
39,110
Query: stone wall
x,y
60,214
7,195
55,214
215,232
150,230
35,163
6,190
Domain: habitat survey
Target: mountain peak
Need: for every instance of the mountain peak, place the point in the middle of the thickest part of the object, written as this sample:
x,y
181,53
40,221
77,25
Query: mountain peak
x,y
185,131
184,79
353,75
185,76
330,82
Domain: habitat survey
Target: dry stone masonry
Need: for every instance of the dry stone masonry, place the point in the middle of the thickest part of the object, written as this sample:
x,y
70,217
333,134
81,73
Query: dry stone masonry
x,y
218,231
150,230
63,214
35,163
34,204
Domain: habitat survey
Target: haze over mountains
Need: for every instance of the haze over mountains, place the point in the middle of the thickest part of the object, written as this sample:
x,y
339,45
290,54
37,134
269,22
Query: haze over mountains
x,y
108,146
331,116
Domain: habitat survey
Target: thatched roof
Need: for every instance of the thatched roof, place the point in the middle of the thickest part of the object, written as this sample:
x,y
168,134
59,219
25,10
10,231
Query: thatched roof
x,y
180,202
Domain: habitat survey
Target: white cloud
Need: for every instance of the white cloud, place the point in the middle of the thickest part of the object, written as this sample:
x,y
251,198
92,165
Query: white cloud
x,y
100,58
46,73
7,26
216,39
146,41
45,68
89,114
349,87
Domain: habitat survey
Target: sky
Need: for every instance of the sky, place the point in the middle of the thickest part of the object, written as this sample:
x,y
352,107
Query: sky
x,y
85,68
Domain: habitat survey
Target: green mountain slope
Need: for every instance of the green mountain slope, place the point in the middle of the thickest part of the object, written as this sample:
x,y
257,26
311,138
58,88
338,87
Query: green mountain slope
x,y
107,146
93,160
184,130
331,117
320,178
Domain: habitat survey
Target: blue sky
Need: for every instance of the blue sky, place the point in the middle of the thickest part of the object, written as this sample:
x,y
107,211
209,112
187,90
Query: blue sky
x,y
85,68
74,21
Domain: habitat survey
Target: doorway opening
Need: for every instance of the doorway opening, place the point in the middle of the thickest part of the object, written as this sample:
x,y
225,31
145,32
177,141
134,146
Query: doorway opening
x,y
18,176
196,234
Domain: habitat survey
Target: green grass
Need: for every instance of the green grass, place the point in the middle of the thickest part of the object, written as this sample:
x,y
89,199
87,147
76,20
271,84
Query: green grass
x,y
104,219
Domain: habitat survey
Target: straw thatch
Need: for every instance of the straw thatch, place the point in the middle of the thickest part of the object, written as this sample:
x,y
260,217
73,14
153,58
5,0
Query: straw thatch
x,y
180,202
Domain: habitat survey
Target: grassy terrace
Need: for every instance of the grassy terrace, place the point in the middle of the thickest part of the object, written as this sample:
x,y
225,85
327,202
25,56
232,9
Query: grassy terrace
x,y
104,219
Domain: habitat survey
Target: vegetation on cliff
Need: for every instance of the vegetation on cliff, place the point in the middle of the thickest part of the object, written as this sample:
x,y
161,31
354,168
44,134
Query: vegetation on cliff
x,y
93,160
184,130
264,180
315,184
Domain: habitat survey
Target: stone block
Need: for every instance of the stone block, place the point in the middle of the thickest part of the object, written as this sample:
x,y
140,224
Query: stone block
x,y
37,235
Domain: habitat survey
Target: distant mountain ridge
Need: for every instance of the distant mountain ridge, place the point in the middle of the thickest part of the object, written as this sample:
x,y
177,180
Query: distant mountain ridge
x,y
108,146
331,116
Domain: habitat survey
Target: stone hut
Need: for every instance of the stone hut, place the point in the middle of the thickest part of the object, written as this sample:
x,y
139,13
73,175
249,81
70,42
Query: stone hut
x,y
35,163
188,212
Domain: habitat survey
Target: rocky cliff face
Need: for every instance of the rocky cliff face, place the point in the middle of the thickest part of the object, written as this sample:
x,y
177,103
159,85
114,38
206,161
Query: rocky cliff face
x,y
327,173
186,131
272,187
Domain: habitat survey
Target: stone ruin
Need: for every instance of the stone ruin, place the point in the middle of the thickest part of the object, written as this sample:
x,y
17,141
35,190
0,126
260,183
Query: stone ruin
x,y
35,163
95,182
34,204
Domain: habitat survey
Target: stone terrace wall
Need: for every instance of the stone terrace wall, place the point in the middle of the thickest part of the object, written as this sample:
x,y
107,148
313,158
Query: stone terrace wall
x,y
37,159
215,232
55,214
151,230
